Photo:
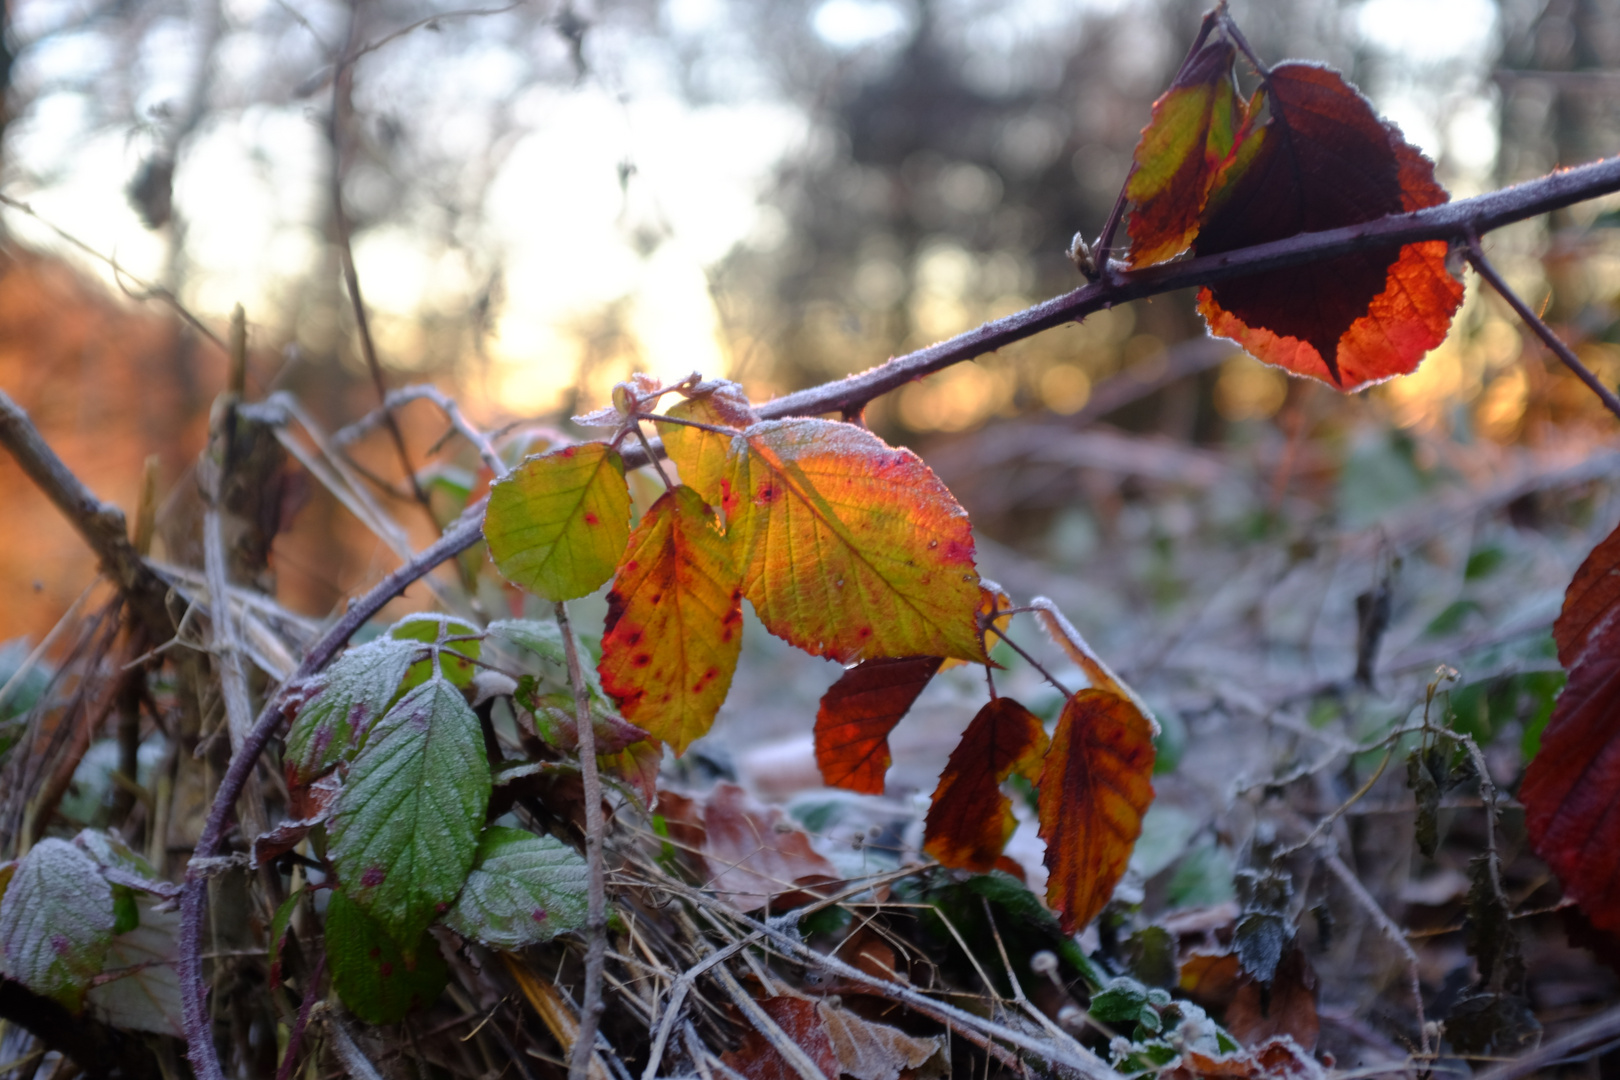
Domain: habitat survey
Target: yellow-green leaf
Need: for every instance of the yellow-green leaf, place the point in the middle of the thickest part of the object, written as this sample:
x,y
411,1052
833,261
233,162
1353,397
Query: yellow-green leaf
x,y
701,455
674,622
1190,136
850,548
557,524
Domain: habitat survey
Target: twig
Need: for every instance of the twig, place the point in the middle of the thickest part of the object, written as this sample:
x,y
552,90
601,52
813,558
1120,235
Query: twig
x,y
1034,663
1359,893
1594,1033
295,1038
99,1049
348,1051
792,1053
1476,257
101,524
590,1009
447,405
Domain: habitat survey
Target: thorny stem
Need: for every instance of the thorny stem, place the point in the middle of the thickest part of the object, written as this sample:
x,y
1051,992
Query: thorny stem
x,y
657,461
590,1009
1036,664
1230,25
296,1038
1476,257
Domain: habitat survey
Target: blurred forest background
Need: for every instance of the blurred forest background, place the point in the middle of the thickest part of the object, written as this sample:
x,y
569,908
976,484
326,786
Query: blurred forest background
x,y
546,197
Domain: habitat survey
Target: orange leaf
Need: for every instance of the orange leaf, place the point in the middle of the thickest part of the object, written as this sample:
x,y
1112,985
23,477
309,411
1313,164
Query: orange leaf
x,y
800,1021
970,820
1192,133
851,548
701,455
674,622
1095,785
1276,1059
1325,160
858,712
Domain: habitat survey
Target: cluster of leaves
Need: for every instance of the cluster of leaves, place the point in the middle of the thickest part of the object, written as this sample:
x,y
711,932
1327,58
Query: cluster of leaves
x,y
847,548
1215,172
87,922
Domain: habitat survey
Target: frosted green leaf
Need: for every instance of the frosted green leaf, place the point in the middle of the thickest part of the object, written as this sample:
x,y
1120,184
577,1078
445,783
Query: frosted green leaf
x,y
534,648
558,523
377,979
430,629
342,703
142,991
407,822
522,890
56,922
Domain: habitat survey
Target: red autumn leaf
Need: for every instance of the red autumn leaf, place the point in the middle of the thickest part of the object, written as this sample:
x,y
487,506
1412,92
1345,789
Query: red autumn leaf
x,y
1571,791
970,820
1276,1059
1192,133
1590,598
1324,160
1095,785
1254,1013
749,854
858,712
800,1020
674,622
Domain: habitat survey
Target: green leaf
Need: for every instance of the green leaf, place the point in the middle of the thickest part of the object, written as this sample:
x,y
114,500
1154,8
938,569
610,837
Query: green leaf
x,y
430,629
56,922
379,981
279,925
558,523
341,704
406,825
523,889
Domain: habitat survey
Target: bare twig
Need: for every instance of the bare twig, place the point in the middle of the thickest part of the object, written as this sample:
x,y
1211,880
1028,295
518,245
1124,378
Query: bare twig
x,y
295,1038
590,1009
1359,893
1596,1032
447,405
101,524
348,1051
1476,257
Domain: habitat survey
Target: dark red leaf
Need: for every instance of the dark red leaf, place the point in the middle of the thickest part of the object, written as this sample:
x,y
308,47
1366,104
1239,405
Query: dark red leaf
x,y
750,855
970,820
1591,597
800,1021
857,714
1324,160
1571,791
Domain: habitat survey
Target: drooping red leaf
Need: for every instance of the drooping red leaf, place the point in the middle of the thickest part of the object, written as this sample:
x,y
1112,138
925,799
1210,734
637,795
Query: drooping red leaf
x,y
1324,160
1191,135
1571,791
750,854
1095,785
674,622
970,820
1592,595
858,712
800,1020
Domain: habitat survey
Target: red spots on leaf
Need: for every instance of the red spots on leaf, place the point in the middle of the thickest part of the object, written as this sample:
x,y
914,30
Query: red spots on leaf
x,y
385,969
538,914
441,907
373,877
640,660
592,519
568,451
60,945
374,952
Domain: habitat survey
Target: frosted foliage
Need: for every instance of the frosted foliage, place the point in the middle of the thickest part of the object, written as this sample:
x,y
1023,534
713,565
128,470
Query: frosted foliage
x,y
344,702
523,889
146,996
406,826
56,922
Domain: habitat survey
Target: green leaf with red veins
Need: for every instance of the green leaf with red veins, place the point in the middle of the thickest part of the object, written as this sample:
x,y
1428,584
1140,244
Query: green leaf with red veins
x,y
674,622
557,524
340,705
407,822
851,548
523,889
56,922
377,978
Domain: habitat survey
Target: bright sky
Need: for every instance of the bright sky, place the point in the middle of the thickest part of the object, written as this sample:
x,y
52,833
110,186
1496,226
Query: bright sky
x,y
250,183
